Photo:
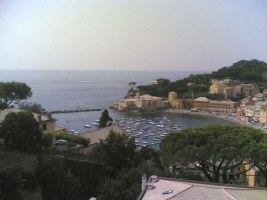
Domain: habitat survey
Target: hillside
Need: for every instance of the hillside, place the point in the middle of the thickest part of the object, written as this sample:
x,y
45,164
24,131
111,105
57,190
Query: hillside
x,y
246,71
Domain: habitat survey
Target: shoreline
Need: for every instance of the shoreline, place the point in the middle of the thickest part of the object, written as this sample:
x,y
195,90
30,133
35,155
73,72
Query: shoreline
x,y
222,116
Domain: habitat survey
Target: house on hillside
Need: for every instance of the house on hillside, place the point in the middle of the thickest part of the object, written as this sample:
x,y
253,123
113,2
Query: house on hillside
x,y
100,134
46,122
233,88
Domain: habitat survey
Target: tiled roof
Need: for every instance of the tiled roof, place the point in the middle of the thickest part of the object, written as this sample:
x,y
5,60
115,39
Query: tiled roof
x,y
102,133
201,191
248,194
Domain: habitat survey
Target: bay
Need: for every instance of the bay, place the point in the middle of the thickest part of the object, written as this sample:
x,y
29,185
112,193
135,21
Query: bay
x,y
65,90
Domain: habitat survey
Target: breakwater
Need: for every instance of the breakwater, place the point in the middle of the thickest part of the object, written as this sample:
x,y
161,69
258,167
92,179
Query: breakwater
x,y
75,110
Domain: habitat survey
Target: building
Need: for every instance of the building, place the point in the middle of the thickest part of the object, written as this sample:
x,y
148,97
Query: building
x,y
172,96
203,103
141,103
174,189
256,112
176,103
232,88
100,134
46,122
148,102
250,89
126,104
154,82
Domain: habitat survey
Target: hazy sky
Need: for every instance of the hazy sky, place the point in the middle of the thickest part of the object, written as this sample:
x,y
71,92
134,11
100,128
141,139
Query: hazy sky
x,y
131,34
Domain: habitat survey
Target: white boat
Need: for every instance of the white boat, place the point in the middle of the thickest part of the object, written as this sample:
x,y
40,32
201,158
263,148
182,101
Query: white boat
x,y
87,126
160,125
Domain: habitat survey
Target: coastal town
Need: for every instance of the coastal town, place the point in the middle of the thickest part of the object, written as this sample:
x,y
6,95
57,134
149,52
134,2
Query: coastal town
x,y
152,135
250,110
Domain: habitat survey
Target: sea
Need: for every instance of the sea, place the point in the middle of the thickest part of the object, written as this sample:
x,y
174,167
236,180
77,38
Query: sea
x,y
75,89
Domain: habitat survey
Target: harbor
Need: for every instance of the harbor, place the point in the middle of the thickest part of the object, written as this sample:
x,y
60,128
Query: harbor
x,y
149,132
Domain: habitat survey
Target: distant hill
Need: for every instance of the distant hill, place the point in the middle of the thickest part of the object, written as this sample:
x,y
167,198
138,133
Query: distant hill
x,y
246,71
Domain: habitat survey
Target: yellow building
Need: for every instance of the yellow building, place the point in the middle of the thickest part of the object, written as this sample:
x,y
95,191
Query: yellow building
x,y
172,96
176,103
141,102
217,88
231,88
148,102
203,103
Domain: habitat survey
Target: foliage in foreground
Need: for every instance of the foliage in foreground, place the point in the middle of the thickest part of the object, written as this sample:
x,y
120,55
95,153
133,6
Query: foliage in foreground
x,y
71,138
125,166
117,151
17,176
215,150
21,132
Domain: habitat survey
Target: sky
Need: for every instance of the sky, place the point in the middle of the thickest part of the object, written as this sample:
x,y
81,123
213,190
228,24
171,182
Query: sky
x,y
153,35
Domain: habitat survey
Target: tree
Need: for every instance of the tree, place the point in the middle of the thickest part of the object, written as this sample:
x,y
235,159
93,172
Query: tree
x,y
13,91
31,107
258,156
21,132
117,151
163,81
46,140
105,119
215,150
10,183
126,186
131,92
132,84
151,156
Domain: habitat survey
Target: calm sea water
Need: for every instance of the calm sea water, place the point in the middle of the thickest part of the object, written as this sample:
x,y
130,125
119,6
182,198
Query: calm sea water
x,y
61,90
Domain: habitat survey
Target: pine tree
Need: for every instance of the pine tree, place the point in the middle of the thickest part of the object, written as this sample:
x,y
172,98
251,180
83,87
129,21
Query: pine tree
x,y
105,120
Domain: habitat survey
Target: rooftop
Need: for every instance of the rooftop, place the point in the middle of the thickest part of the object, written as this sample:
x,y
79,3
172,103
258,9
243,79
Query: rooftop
x,y
101,134
205,99
38,117
173,189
